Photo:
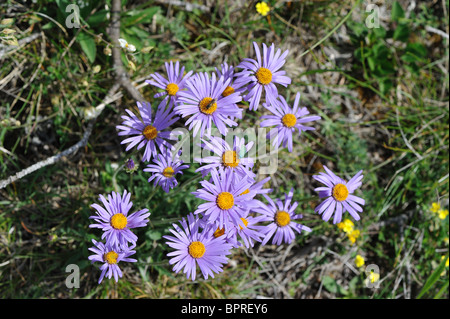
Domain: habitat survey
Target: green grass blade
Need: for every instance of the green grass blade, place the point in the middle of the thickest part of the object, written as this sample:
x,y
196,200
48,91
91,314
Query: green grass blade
x,y
433,278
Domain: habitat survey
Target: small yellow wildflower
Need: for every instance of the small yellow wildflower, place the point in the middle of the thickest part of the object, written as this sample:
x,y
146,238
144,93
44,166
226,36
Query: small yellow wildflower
x,y
446,262
353,236
446,265
262,8
374,277
442,213
435,207
359,261
347,225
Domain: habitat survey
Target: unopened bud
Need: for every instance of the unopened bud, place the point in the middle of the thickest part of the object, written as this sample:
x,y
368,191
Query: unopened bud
x,y
96,69
131,65
107,51
147,49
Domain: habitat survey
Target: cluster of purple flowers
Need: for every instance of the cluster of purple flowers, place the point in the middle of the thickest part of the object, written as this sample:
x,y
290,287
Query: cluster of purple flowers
x,y
114,220
236,210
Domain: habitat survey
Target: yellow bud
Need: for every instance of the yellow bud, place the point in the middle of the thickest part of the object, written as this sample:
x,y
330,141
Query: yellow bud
x,y
147,49
96,69
131,65
107,51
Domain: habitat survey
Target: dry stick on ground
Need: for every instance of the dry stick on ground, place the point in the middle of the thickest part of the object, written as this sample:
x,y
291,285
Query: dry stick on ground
x,y
53,159
114,34
122,79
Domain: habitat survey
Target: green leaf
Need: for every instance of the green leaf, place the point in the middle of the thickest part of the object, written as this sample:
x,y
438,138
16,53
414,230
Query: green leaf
x,y
442,291
433,278
397,11
372,62
417,49
380,51
139,16
154,235
385,67
379,32
332,286
408,58
97,18
88,46
385,85
401,33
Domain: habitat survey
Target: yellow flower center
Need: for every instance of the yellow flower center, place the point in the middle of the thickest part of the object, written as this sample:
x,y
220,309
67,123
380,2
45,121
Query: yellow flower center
x,y
289,120
172,89
111,257
245,223
168,172
282,218
208,106
225,200
118,221
264,76
150,132
219,232
340,192
230,159
196,249
228,90
245,192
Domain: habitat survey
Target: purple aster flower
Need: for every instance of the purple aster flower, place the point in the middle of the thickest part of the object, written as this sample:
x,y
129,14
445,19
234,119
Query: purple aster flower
x,y
286,120
219,232
114,220
226,156
225,202
164,170
110,256
249,232
281,217
193,248
228,72
148,132
174,83
339,196
262,74
256,188
204,103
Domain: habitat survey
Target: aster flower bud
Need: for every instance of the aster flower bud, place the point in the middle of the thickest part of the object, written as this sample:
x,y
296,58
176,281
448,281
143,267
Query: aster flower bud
x,y
130,166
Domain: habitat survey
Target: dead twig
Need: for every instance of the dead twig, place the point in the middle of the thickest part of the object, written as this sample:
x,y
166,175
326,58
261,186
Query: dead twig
x,y
122,79
114,33
53,159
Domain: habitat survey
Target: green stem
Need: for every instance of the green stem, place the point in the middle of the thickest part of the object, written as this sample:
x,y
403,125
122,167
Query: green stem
x,y
188,182
155,189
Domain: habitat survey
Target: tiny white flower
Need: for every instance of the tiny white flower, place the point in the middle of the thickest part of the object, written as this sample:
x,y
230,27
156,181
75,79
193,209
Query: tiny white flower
x,y
124,44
